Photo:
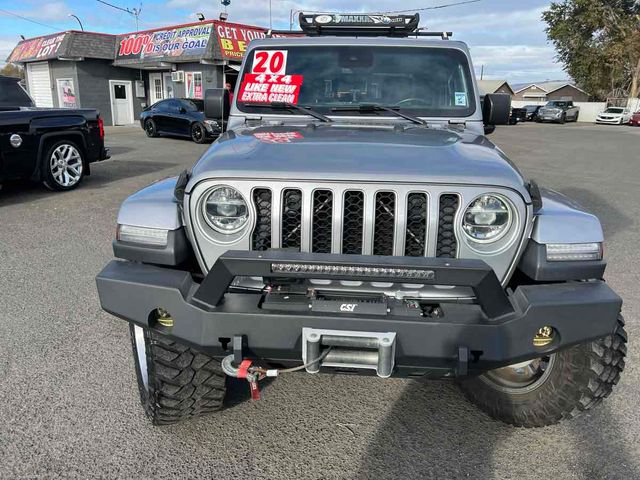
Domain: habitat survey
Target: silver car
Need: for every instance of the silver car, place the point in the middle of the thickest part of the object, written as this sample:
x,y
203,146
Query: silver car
x,y
354,218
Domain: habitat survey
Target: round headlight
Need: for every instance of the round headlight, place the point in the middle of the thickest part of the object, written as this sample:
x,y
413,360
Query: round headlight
x,y
487,219
225,210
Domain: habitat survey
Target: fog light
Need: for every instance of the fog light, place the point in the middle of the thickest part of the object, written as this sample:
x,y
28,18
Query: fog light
x,y
544,336
571,252
142,235
164,318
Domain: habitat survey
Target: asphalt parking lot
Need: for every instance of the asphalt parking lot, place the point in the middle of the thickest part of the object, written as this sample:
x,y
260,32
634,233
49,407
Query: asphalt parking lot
x,y
69,402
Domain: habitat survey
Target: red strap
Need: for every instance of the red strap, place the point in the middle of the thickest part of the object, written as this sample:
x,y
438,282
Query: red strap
x,y
255,390
243,370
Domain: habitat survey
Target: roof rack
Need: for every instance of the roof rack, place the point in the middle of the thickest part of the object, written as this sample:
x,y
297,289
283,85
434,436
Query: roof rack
x,y
359,25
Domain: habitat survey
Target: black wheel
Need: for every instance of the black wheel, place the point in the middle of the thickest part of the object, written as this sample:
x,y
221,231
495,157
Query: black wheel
x,y
546,390
538,120
150,128
175,381
198,133
575,119
63,166
563,119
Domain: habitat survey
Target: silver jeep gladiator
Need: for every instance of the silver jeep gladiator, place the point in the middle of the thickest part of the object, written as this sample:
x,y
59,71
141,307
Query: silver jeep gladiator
x,y
354,218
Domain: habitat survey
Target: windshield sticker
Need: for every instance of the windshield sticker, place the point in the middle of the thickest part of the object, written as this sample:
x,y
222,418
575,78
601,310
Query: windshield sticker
x,y
278,137
270,88
461,99
272,62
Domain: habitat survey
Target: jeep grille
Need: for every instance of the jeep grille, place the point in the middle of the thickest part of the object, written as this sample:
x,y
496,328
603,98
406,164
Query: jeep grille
x,y
353,228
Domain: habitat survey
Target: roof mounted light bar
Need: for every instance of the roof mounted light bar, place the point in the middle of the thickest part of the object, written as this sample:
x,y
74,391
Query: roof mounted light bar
x,y
359,24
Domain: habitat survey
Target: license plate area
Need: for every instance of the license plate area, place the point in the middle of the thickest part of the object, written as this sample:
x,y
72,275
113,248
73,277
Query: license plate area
x,y
349,349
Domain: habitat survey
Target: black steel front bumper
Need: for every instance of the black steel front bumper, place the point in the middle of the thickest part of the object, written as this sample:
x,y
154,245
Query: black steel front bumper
x,y
496,330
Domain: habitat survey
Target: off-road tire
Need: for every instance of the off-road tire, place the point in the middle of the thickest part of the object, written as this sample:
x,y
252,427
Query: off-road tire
x,y
182,382
581,377
150,128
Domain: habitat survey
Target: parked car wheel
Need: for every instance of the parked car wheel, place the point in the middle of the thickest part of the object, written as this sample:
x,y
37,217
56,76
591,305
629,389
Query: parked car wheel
x,y
63,166
150,128
198,133
575,119
175,381
563,119
546,390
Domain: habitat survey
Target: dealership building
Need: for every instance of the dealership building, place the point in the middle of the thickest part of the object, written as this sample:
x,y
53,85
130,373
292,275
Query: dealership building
x,y
122,74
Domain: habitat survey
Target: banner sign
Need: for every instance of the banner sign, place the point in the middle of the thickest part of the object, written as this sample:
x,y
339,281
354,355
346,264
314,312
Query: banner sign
x,y
193,81
189,41
270,88
40,48
66,93
234,38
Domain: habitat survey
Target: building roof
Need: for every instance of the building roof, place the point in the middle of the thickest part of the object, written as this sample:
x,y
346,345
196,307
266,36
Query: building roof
x,y
69,44
548,86
492,86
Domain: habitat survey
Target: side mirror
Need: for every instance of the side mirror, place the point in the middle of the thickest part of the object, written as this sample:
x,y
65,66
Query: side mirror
x,y
496,109
217,104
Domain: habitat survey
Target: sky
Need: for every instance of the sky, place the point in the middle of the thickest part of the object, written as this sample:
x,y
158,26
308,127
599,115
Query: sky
x,y
505,36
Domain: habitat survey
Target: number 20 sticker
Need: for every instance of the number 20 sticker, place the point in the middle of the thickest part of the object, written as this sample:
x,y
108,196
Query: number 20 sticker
x,y
270,61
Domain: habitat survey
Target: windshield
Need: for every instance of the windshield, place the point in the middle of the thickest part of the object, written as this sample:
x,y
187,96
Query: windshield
x,y
614,110
557,104
428,82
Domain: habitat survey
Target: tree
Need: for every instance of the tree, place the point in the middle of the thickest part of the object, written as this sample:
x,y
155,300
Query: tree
x,y
598,41
12,70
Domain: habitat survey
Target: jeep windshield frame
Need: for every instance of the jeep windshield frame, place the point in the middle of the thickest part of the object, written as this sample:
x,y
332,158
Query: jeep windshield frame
x,y
421,81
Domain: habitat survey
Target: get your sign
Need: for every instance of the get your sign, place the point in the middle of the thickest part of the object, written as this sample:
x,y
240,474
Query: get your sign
x,y
267,88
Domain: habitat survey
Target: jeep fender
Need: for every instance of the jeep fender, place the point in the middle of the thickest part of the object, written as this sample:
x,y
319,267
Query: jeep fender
x,y
561,220
153,207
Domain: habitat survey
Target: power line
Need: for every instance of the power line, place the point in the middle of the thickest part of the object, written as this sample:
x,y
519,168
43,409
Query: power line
x,y
57,29
115,6
135,12
435,7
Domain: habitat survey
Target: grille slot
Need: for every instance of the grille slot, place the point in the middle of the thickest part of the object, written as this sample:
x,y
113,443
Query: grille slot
x,y
447,243
352,222
292,218
322,221
416,239
261,239
385,213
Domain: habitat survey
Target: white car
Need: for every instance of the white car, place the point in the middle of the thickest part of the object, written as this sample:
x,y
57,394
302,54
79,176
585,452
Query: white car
x,y
614,116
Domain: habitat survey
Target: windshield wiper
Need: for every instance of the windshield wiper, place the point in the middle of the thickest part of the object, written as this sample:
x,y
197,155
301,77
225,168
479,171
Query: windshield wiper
x,y
289,106
374,107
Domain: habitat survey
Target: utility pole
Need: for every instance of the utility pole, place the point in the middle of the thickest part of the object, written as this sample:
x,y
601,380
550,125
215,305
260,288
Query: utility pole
x,y
270,17
482,72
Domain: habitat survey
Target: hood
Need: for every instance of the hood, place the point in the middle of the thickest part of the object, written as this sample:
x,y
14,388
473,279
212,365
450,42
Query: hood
x,y
610,114
337,152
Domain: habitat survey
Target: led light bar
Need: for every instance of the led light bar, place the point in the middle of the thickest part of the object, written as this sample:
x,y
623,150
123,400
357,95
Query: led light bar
x,y
573,252
145,236
356,271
